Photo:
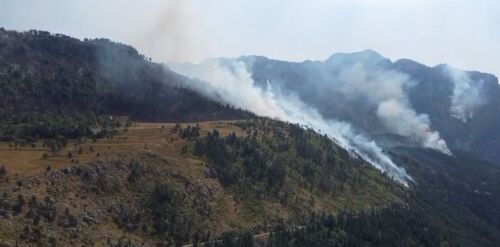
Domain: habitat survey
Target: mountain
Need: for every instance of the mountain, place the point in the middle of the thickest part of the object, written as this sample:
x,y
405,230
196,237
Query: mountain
x,y
48,78
164,183
90,154
423,120
351,87
101,146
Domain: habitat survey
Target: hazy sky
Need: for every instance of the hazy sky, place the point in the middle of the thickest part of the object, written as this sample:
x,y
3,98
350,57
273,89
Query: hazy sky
x,y
463,33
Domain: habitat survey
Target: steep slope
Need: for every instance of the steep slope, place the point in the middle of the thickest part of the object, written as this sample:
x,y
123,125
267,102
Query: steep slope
x,y
347,86
75,169
433,95
164,183
416,116
47,78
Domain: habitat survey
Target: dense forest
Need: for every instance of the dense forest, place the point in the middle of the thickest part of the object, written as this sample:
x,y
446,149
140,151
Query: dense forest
x,y
52,84
444,207
275,154
392,226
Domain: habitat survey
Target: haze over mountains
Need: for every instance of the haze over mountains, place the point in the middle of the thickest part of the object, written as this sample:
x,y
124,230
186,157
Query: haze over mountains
x,y
401,103
111,147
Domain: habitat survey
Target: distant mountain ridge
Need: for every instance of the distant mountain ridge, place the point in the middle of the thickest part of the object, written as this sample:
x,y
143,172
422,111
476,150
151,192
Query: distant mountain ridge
x,y
428,90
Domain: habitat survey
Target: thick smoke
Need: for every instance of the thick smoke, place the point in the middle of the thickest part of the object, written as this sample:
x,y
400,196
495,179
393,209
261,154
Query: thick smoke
x,y
385,89
343,132
176,33
233,83
403,120
467,94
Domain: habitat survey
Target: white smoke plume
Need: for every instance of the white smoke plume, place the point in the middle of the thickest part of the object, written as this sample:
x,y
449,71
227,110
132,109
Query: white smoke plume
x,y
467,94
403,120
233,83
176,35
343,132
385,89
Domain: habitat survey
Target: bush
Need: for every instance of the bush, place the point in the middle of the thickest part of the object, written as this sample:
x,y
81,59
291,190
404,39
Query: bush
x,y
170,218
128,219
136,171
67,219
3,171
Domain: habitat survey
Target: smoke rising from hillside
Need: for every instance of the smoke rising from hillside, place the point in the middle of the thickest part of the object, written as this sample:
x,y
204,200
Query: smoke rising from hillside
x,y
403,120
232,83
467,94
176,33
385,89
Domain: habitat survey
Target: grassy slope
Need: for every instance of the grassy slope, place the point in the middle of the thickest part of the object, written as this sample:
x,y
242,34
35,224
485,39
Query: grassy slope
x,y
119,190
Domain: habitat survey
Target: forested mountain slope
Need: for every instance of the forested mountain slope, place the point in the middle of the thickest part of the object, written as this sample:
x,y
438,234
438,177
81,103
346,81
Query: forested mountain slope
x,y
462,106
78,168
167,184
62,82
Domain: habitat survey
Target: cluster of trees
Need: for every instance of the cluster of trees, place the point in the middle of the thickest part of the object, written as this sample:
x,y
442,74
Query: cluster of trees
x,y
233,159
35,209
49,126
189,132
222,159
127,218
396,225
172,221
267,162
313,158
459,193
393,226
45,209
35,213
